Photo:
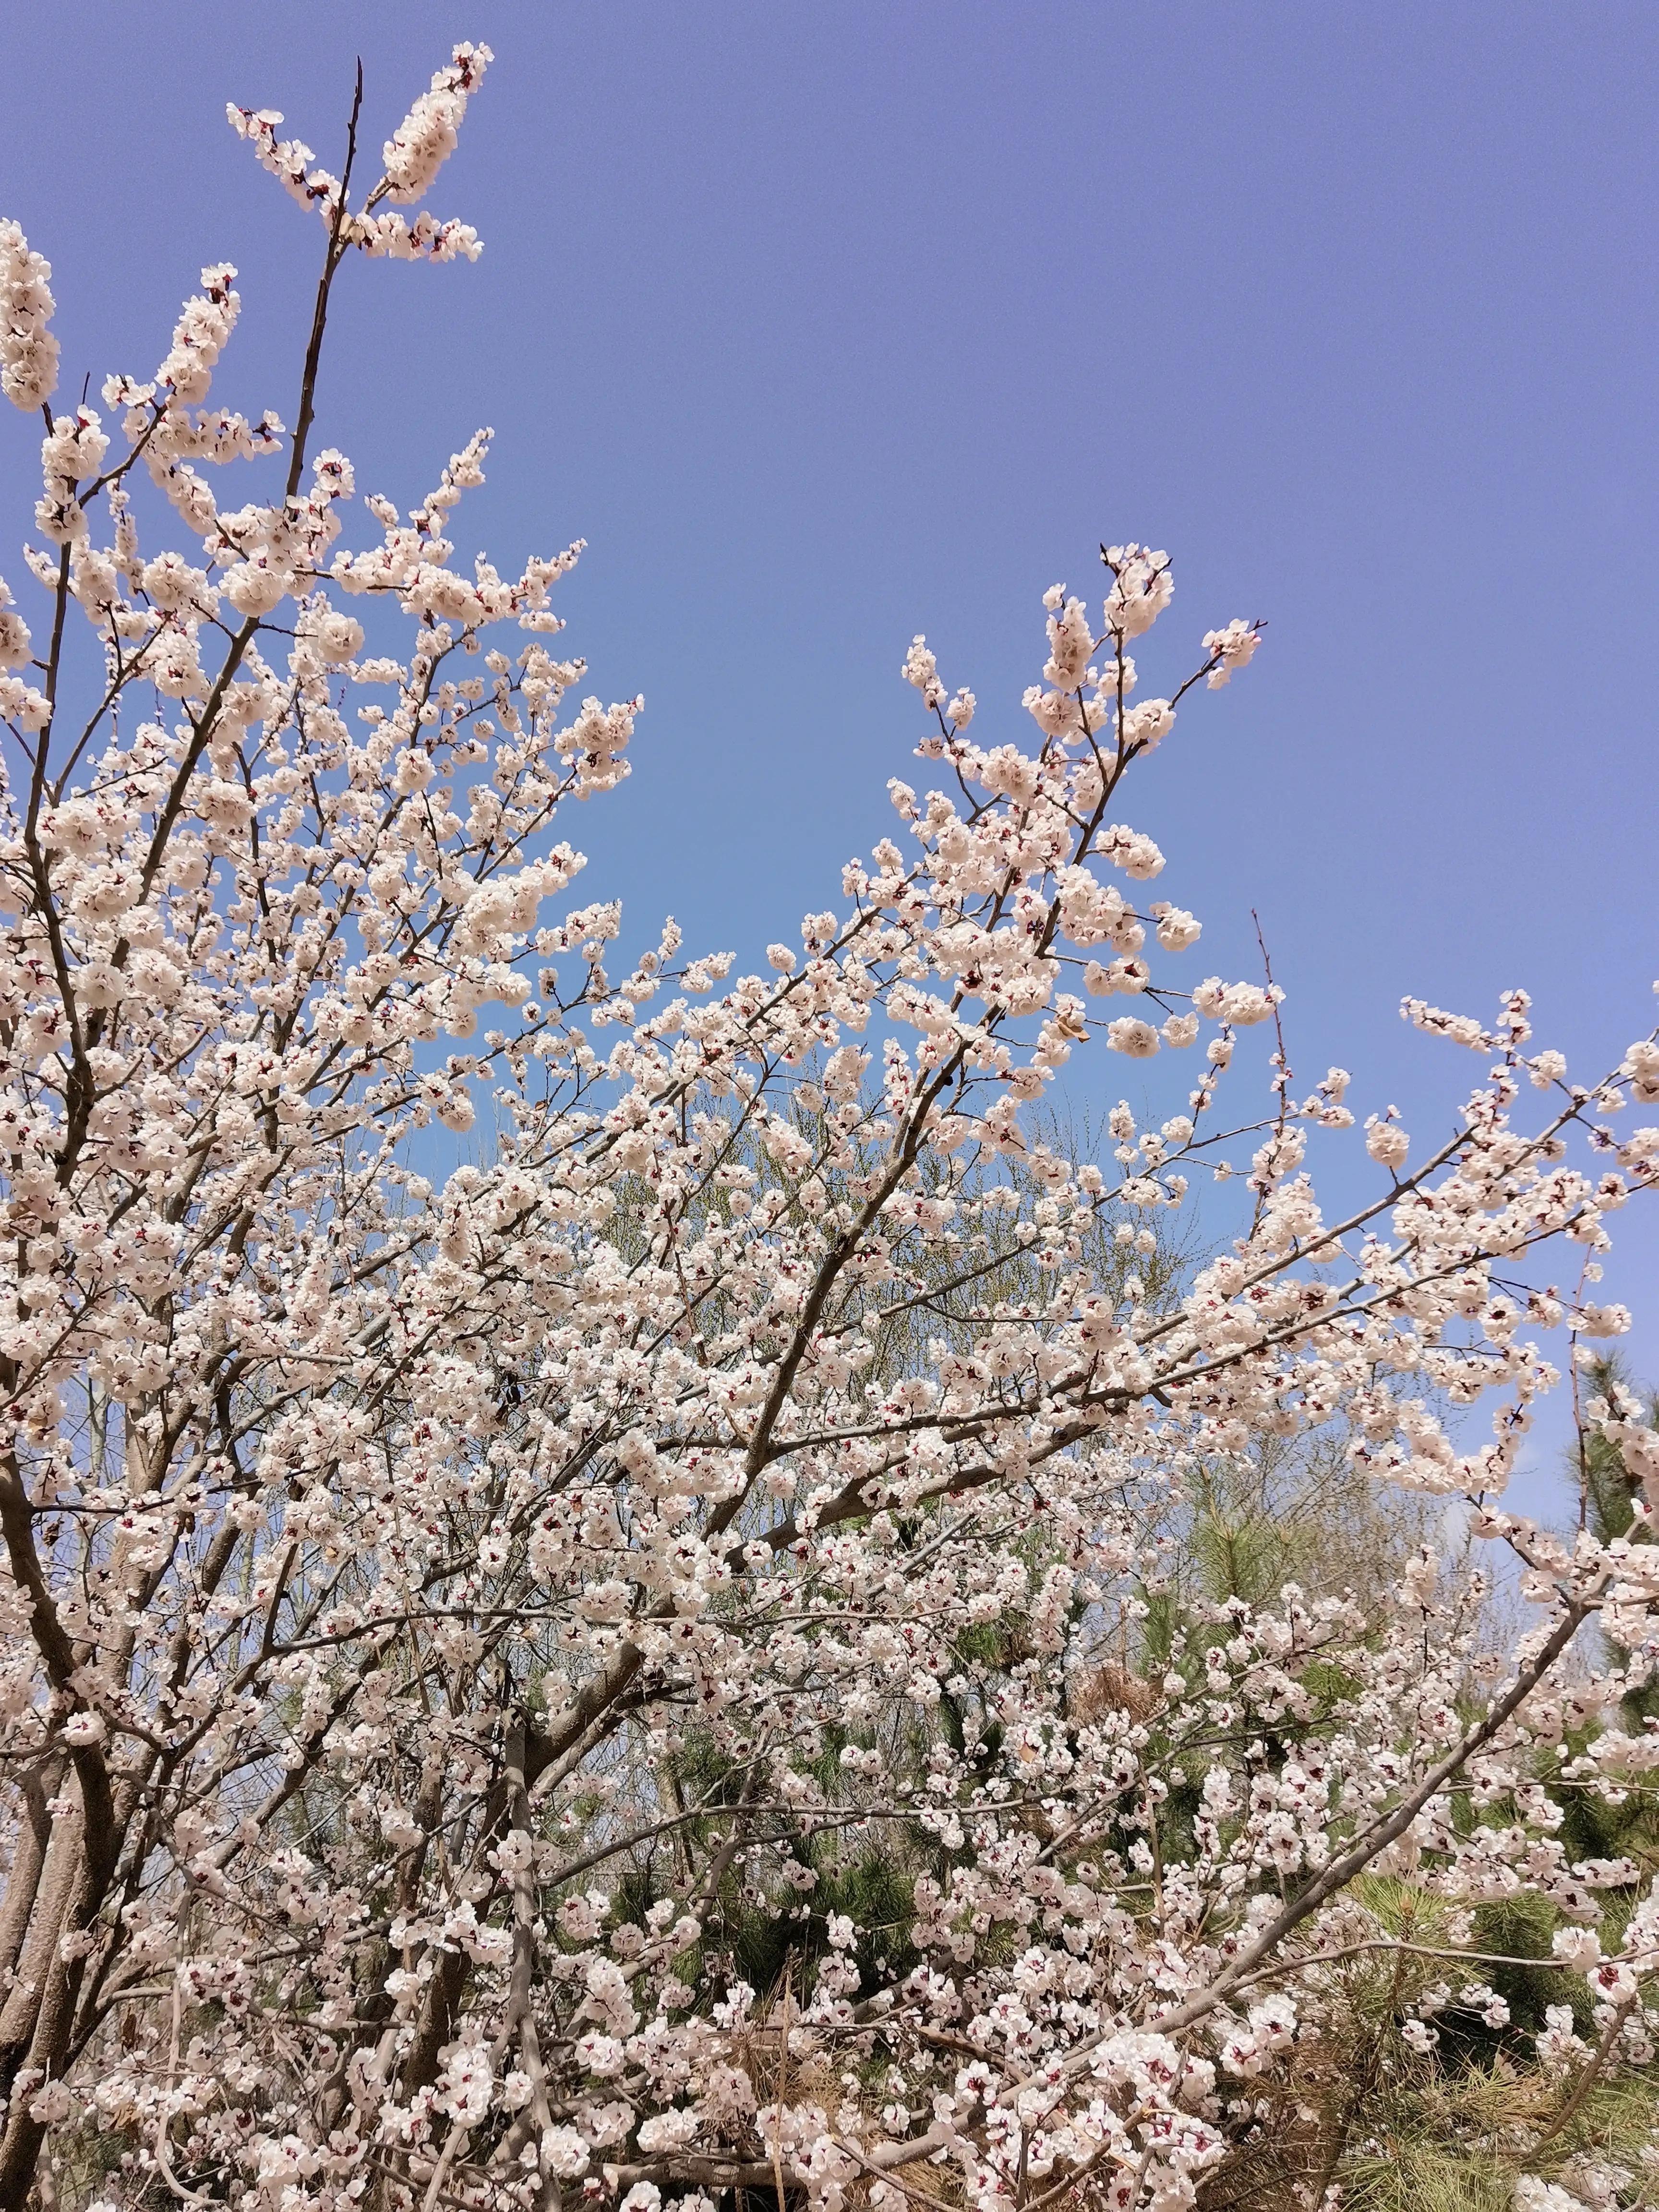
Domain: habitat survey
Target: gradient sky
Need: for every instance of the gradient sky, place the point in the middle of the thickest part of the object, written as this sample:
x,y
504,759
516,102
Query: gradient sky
x,y
826,324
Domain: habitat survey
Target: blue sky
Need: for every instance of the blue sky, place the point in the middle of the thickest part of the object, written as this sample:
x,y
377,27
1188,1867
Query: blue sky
x,y
826,324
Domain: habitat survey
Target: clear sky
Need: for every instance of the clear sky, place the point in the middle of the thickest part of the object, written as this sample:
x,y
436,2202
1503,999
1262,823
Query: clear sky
x,y
824,324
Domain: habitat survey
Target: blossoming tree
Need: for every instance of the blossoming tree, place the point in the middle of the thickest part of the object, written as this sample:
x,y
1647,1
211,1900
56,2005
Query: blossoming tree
x,y
624,1672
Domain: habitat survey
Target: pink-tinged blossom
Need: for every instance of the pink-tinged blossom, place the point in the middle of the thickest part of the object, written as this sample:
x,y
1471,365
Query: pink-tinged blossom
x,y
1230,650
1138,1039
28,351
426,137
1386,1141
1142,587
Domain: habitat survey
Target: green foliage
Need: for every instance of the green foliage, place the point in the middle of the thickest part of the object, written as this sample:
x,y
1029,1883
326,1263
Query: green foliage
x,y
1610,1491
1441,2142
1520,1927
